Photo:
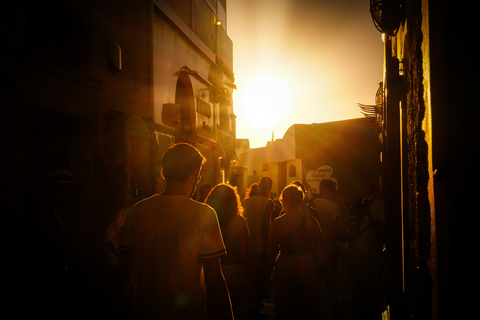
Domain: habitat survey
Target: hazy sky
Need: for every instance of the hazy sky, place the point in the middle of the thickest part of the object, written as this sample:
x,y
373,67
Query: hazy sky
x,y
301,61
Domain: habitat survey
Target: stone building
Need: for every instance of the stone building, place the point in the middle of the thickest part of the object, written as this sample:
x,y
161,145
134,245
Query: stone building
x,y
345,151
88,84
426,113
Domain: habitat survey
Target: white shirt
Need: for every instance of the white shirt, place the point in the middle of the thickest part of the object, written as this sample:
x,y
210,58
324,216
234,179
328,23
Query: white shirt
x,y
169,236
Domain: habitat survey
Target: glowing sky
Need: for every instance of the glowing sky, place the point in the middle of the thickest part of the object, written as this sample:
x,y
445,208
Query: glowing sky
x,y
301,61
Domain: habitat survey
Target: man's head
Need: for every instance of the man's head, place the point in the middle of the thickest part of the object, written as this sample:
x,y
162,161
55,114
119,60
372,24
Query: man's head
x,y
328,188
265,186
180,161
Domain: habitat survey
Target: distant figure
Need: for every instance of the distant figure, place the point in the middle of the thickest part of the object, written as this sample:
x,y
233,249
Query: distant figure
x,y
170,246
312,194
203,192
296,275
257,212
305,206
277,210
327,212
367,262
252,190
237,265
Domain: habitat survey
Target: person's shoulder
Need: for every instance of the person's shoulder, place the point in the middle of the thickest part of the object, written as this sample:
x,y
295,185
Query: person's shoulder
x,y
238,222
144,203
280,218
201,208
199,204
264,199
248,200
319,200
322,202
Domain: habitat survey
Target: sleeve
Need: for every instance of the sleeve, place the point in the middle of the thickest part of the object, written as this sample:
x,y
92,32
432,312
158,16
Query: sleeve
x,y
211,245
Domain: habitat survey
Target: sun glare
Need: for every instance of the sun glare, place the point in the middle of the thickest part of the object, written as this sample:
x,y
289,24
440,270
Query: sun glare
x,y
265,99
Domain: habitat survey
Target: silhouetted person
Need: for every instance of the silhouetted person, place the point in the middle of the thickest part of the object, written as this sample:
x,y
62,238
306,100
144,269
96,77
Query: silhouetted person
x,y
329,270
305,205
252,190
237,265
277,210
258,210
170,248
296,275
327,212
367,262
203,192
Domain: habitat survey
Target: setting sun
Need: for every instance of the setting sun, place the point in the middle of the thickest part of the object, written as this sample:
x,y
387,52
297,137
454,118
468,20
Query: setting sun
x,y
301,62
265,99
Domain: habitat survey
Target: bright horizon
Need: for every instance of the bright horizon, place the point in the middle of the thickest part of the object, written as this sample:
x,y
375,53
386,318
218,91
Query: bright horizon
x,y
301,62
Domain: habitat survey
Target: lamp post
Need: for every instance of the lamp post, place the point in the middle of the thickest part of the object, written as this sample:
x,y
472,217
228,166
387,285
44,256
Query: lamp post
x,y
387,15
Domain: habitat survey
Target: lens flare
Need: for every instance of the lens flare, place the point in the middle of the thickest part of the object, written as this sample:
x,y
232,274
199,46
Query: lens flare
x,y
266,99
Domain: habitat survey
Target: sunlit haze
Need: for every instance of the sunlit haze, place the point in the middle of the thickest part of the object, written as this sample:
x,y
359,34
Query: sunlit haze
x,y
266,99
306,61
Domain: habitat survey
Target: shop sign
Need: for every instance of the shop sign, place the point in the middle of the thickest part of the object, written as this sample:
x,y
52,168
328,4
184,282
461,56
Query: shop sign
x,y
314,177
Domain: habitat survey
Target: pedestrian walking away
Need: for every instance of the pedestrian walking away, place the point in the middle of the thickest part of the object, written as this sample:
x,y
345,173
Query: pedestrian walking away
x,y
171,247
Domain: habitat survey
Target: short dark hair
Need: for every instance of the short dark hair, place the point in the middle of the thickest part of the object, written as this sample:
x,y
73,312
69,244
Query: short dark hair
x,y
265,186
180,161
328,184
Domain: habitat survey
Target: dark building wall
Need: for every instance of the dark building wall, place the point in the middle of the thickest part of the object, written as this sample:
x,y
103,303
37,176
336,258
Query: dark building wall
x,y
68,103
437,122
455,118
63,89
420,217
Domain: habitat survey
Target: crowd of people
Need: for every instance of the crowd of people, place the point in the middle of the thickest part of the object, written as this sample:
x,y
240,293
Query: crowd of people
x,y
218,257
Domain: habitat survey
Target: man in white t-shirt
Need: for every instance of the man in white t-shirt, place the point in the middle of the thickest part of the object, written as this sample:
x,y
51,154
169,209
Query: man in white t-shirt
x,y
171,247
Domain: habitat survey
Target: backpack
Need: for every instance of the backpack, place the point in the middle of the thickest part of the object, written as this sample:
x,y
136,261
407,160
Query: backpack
x,y
347,225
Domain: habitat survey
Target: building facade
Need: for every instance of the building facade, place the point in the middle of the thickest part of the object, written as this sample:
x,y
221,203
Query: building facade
x,y
428,138
90,84
345,151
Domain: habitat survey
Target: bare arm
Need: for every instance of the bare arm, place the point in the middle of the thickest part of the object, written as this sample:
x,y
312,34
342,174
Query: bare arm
x,y
218,298
319,245
272,247
246,248
266,226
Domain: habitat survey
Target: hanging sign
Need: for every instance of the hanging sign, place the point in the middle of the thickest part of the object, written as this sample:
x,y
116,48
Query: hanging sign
x,y
315,176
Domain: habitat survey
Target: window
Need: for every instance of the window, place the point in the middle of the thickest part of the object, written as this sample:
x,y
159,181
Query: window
x,y
292,171
204,108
